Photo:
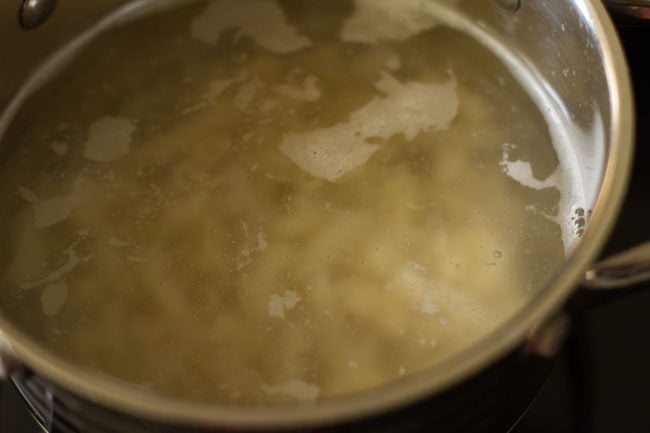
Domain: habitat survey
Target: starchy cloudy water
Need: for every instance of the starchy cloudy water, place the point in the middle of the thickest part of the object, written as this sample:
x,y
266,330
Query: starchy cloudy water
x,y
253,202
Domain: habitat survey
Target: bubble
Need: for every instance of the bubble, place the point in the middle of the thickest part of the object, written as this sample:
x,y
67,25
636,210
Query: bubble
x,y
497,254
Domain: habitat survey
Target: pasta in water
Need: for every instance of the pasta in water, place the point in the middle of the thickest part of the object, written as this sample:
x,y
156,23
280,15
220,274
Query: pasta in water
x,y
257,202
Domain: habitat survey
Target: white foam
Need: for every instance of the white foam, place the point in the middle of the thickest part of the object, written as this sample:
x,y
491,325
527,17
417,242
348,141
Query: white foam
x,y
408,108
262,20
218,86
109,138
27,194
114,241
244,259
262,243
522,171
247,93
53,298
386,20
428,307
50,211
278,304
309,90
71,262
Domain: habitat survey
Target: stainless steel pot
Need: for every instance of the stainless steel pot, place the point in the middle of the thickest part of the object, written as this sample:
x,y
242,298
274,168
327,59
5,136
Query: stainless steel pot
x,y
550,37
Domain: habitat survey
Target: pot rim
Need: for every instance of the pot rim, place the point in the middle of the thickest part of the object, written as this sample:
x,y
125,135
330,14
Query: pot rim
x,y
130,399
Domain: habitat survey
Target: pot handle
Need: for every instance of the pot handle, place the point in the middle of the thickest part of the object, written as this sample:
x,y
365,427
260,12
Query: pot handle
x,y
635,12
621,271
608,280
604,282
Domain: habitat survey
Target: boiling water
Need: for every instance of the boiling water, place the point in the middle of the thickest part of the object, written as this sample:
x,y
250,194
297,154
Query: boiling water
x,y
250,202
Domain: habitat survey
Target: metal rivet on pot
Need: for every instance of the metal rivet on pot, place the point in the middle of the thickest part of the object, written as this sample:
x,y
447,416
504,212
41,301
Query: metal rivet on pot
x,y
509,5
33,13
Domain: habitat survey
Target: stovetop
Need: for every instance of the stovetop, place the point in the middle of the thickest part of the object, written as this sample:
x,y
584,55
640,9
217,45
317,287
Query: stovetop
x,y
601,380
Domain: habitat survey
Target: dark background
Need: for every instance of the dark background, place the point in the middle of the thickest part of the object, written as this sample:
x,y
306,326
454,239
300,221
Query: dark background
x,y
601,381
